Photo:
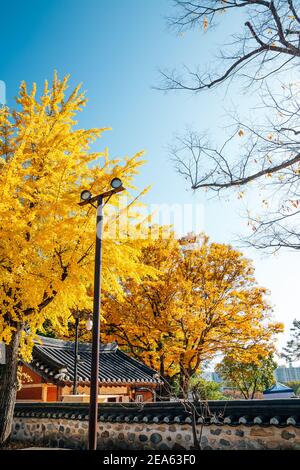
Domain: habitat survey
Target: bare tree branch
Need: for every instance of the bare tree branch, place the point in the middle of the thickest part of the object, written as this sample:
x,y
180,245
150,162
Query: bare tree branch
x,y
273,31
268,152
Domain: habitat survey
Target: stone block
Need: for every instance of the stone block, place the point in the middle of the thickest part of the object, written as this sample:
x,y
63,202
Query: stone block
x,y
224,442
155,438
258,431
216,431
164,447
287,435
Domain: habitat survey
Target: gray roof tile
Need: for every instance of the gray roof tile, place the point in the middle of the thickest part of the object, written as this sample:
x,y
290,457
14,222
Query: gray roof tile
x,y
54,359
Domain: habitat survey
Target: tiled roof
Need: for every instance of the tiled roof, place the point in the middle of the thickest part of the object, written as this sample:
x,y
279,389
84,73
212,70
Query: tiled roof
x,y
54,360
278,388
280,412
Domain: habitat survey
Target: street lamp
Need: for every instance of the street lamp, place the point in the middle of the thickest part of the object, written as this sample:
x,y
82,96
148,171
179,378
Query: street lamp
x,y
76,356
116,183
89,324
87,198
85,195
79,315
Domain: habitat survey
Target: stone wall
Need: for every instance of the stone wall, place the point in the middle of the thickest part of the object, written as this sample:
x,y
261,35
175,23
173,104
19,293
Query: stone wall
x,y
157,427
73,434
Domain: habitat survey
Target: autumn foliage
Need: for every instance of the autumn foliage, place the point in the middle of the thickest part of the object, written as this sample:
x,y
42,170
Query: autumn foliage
x,y
203,302
172,303
46,238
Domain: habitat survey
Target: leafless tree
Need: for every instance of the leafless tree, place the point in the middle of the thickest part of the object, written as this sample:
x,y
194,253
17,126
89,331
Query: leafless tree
x,y
268,152
195,407
267,155
269,42
292,350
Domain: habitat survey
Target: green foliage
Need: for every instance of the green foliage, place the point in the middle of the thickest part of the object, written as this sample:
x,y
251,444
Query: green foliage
x,y
295,385
248,377
202,389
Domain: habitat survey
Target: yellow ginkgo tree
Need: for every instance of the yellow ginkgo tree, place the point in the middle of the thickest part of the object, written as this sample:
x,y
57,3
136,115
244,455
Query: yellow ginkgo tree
x,y
46,238
203,303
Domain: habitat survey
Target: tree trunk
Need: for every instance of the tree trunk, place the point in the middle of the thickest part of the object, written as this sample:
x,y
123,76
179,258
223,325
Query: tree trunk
x,y
196,441
162,365
254,390
166,388
8,387
183,382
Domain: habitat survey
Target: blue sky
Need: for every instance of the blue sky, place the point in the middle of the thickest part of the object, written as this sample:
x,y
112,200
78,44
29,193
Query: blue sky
x,y
115,47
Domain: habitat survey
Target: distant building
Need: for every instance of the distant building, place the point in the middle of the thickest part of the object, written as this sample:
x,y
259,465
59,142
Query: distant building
x,y
287,374
211,376
282,374
216,378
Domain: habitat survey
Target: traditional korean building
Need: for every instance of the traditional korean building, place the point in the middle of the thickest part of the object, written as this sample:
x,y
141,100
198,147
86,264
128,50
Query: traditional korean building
x,y
278,390
50,374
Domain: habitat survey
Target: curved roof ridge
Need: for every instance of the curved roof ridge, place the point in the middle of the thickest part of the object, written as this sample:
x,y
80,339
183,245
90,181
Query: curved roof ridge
x,y
278,387
62,344
50,355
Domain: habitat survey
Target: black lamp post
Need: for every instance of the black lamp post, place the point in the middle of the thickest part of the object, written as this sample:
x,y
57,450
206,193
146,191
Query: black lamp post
x,y
76,356
79,315
86,198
